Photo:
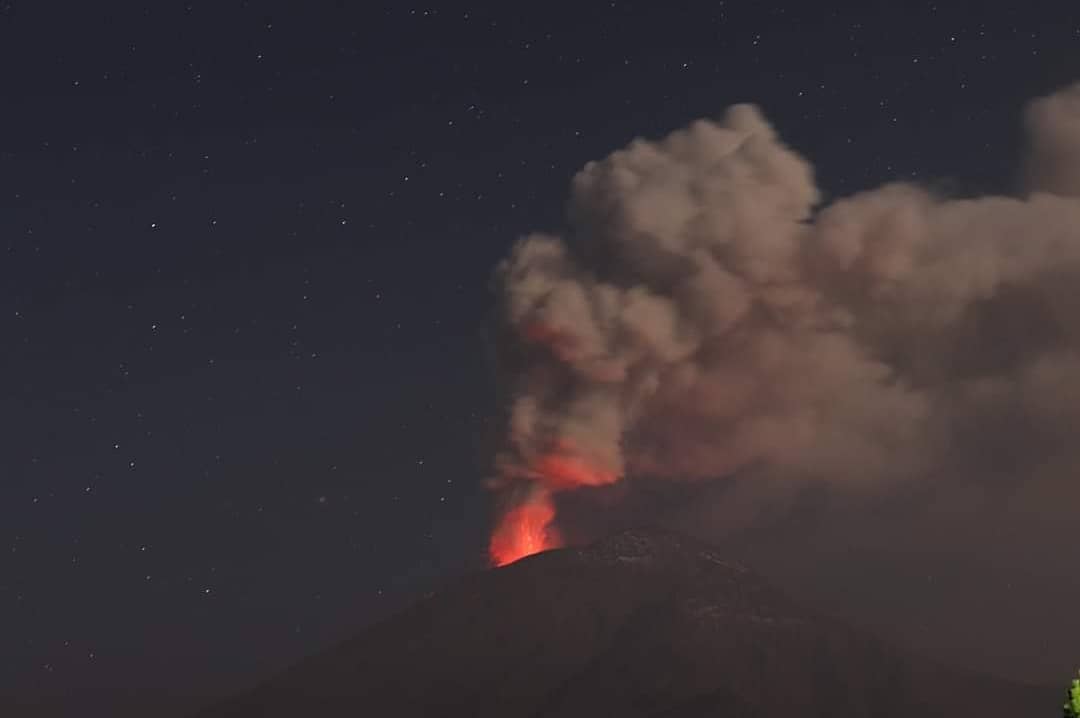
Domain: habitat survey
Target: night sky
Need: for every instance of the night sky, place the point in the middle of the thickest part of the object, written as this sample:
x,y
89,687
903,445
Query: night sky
x,y
248,402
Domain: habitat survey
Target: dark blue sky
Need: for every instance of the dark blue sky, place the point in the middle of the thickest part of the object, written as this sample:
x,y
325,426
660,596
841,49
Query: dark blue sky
x,y
247,397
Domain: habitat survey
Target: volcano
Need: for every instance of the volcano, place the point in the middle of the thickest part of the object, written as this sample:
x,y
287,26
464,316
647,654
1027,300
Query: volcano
x,y
644,623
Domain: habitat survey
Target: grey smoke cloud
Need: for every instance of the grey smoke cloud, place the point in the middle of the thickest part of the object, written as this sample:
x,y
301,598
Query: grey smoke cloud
x,y
706,315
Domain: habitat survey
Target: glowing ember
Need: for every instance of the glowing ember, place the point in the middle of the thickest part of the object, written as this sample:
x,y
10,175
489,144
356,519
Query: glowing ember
x,y
524,530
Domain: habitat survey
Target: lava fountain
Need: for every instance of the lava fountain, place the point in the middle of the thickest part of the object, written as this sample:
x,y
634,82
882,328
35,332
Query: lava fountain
x,y
525,529
528,526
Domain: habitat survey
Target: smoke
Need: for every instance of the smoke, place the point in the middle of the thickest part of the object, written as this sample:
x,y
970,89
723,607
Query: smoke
x,y
706,317
1053,124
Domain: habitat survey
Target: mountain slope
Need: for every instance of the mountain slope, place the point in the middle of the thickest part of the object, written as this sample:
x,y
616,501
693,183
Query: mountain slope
x,y
645,623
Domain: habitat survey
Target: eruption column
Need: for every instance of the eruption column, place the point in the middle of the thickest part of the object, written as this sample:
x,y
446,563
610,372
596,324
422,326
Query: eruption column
x,y
706,313
525,529
528,526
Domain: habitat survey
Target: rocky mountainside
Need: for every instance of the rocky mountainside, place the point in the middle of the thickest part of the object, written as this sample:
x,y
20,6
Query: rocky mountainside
x,y
645,623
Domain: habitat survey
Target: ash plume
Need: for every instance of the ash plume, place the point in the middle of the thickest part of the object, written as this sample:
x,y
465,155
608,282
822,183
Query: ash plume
x,y
706,315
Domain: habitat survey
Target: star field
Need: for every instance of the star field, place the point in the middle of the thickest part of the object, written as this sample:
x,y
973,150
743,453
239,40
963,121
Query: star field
x,y
248,399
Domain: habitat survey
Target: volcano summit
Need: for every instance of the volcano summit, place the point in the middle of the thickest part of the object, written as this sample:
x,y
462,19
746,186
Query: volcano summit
x,y
644,623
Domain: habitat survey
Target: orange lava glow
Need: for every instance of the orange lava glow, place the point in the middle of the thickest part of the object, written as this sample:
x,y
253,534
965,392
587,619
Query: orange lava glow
x,y
528,527
566,471
524,530
541,333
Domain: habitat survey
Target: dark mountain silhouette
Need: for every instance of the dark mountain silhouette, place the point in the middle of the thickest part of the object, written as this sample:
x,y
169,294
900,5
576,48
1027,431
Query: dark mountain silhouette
x,y
645,623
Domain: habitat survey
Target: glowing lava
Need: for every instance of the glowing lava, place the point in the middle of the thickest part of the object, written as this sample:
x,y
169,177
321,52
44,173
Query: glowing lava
x,y
524,530
528,527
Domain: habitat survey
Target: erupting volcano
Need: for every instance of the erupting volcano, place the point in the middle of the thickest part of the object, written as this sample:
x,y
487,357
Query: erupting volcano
x,y
707,315
528,526
524,530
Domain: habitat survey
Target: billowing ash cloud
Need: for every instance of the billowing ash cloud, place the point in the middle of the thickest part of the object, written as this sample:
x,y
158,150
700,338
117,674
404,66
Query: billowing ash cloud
x,y
706,315
1053,123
